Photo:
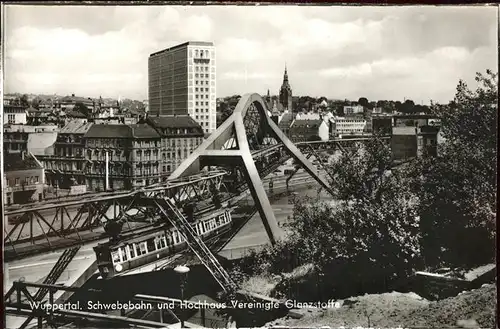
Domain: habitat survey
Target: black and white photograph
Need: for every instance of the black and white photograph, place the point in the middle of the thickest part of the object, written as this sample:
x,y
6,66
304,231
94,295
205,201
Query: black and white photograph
x,y
249,165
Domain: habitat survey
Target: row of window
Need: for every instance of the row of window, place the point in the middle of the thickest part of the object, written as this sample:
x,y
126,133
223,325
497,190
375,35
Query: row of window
x,y
202,82
201,53
27,180
171,238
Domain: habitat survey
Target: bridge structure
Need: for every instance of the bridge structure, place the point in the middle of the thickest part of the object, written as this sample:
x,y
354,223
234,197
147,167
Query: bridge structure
x,y
247,147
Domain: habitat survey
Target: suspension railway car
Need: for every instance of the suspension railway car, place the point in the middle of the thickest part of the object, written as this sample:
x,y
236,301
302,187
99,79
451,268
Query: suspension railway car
x,y
118,258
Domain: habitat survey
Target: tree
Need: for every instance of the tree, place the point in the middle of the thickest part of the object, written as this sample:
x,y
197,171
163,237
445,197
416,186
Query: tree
x,y
458,187
408,106
24,101
363,101
368,239
35,103
398,106
357,172
82,108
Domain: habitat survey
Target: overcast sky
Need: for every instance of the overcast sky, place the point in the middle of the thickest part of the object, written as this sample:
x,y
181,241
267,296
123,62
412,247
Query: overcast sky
x,y
337,52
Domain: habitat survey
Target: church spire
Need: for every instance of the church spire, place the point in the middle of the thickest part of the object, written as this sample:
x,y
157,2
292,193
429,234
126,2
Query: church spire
x,y
285,76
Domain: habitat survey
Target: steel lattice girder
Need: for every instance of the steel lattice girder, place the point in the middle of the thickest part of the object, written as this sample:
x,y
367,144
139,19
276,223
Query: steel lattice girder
x,y
212,152
65,224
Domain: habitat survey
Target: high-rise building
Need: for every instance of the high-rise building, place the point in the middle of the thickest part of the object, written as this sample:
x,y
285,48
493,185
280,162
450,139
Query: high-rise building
x,y
182,81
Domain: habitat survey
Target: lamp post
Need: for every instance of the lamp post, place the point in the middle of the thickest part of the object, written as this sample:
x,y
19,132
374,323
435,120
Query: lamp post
x,y
183,272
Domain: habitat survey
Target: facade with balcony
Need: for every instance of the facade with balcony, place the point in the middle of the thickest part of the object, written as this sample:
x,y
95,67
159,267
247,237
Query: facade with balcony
x,y
180,136
23,179
66,166
121,156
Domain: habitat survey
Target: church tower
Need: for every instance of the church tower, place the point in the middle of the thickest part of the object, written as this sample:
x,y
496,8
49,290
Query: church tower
x,y
286,93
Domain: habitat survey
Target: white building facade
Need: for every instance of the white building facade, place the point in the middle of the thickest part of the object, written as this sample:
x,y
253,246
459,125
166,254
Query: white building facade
x,y
348,125
182,80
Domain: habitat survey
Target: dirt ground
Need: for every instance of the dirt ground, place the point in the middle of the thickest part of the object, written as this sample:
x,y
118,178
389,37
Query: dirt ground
x,y
477,307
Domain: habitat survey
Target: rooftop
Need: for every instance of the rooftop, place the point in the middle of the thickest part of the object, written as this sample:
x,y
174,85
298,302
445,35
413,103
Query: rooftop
x,y
13,162
121,131
76,127
286,120
75,99
143,130
307,123
75,114
185,44
174,121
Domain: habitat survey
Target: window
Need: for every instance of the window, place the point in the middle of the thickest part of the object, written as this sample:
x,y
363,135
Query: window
x,y
115,257
124,254
206,89
207,75
17,181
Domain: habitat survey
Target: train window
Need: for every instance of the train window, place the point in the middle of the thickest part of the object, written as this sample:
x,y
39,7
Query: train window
x,y
137,249
169,240
200,226
196,230
212,224
123,254
142,248
115,257
151,245
174,237
130,252
206,226
162,242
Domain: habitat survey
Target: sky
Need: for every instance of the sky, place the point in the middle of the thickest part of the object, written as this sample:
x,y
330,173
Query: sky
x,y
339,52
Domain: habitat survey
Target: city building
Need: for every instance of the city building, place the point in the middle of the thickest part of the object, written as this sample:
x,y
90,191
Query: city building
x,y
42,116
409,142
10,100
182,81
180,136
348,126
353,110
414,120
15,137
68,102
15,115
65,168
23,178
286,99
285,122
309,130
382,125
122,156
307,116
